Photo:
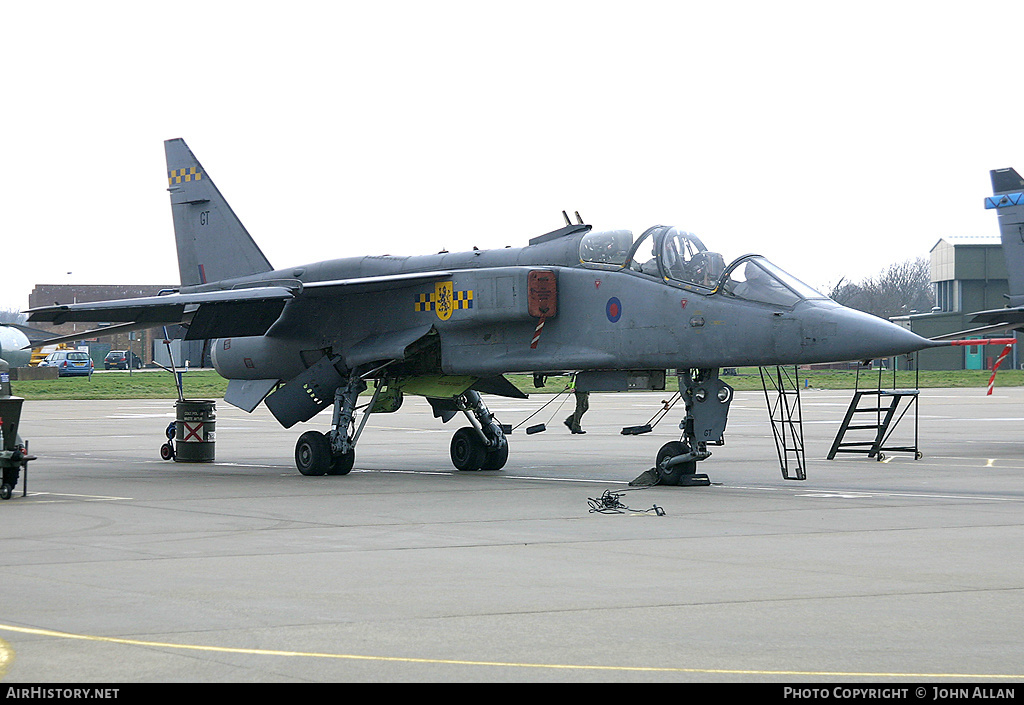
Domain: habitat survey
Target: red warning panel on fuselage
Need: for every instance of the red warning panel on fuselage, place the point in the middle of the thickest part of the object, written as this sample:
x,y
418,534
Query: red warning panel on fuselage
x,y
542,294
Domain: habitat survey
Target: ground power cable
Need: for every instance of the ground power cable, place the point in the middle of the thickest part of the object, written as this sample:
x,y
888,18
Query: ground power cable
x,y
539,428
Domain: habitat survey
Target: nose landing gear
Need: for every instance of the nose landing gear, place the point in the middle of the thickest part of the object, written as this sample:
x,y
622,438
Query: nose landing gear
x,y
707,400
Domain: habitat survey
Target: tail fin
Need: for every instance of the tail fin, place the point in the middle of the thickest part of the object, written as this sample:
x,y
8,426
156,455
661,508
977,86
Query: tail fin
x,y
212,242
1008,187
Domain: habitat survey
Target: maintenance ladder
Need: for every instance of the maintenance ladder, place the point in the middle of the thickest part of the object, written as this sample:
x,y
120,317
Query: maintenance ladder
x,y
884,405
786,419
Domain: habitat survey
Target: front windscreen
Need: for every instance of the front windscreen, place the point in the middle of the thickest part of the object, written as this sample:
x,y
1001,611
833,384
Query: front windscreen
x,y
757,279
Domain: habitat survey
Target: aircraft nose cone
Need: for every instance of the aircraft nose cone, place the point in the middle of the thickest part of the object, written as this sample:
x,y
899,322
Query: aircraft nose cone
x,y
862,336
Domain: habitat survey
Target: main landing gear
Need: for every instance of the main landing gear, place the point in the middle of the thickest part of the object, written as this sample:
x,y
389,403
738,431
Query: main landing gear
x,y
707,400
480,446
334,453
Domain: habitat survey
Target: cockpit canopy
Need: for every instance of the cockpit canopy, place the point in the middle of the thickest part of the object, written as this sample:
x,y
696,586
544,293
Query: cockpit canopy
x,y
677,256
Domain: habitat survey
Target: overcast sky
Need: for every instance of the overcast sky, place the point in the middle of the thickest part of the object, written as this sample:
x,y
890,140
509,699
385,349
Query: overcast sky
x,y
834,138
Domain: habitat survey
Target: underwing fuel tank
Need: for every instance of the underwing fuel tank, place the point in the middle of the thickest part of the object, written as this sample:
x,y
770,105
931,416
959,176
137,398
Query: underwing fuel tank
x,y
257,357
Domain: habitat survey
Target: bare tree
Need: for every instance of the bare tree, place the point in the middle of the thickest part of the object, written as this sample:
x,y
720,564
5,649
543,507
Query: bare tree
x,y
897,290
12,316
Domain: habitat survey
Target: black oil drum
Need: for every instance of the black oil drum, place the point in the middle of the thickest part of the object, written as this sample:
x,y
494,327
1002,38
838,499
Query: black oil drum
x,y
195,430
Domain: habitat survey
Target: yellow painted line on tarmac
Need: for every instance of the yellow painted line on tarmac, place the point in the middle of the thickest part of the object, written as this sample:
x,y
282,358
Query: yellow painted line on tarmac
x,y
7,654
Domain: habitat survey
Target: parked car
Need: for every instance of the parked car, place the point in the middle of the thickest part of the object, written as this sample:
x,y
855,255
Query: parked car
x,y
120,358
69,363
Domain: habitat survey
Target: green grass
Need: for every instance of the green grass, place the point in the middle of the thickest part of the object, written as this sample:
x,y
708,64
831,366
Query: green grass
x,y
207,384
749,378
198,384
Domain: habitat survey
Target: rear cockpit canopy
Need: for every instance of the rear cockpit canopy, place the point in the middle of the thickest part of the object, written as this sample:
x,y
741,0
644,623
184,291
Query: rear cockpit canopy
x,y
606,247
662,251
679,257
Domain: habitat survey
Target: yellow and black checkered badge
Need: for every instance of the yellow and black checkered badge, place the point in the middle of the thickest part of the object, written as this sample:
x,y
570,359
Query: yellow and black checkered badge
x,y
191,173
443,300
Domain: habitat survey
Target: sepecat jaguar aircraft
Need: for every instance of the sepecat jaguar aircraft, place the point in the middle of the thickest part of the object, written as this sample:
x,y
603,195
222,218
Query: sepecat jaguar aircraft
x,y
619,310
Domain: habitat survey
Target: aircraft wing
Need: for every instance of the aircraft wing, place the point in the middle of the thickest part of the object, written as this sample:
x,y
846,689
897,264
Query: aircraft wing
x,y
1007,317
213,314
362,285
227,313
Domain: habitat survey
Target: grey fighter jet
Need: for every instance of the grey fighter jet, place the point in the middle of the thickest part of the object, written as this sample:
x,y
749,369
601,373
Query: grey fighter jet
x,y
618,309
1008,202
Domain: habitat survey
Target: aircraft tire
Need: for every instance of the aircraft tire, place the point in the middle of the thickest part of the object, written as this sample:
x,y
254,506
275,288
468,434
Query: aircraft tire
x,y
672,476
496,459
342,464
467,450
313,453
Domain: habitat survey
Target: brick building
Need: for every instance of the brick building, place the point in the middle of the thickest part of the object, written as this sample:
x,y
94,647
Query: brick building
x,y
139,342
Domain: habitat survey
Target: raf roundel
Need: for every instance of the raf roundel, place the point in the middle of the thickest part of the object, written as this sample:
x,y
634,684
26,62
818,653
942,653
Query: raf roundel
x,y
613,309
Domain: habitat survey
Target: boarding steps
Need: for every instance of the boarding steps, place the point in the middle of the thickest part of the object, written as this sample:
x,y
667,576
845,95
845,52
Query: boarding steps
x,y
782,395
880,417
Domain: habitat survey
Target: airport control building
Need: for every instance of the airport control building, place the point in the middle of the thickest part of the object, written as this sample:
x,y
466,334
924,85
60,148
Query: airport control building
x,y
968,275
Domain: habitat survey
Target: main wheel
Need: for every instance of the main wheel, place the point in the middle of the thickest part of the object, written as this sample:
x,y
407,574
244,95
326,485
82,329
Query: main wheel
x,y
313,453
468,450
342,464
671,476
495,459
